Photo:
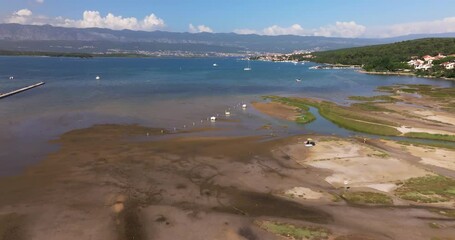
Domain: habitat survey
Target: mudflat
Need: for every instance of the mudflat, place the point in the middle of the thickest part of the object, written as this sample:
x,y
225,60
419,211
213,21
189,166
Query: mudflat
x,y
134,182
277,110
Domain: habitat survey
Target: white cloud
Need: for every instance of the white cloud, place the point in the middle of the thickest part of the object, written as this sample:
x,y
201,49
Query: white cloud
x,y
94,19
40,1
152,21
198,29
20,16
23,13
295,29
245,31
90,19
352,29
341,29
436,26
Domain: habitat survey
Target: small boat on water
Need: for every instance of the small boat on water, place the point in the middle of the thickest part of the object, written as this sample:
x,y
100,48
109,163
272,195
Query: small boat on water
x,y
298,80
213,119
97,78
247,68
215,65
11,78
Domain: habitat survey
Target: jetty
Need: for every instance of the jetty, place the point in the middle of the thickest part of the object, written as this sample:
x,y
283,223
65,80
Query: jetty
x,y
4,95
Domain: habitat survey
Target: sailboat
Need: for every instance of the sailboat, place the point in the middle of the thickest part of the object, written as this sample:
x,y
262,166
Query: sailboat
x,y
247,68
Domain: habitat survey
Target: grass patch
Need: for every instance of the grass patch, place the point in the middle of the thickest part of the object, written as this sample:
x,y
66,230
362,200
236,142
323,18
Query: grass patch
x,y
380,155
388,89
428,189
370,106
446,213
447,145
359,126
306,117
293,231
443,137
295,102
367,198
346,117
434,225
382,98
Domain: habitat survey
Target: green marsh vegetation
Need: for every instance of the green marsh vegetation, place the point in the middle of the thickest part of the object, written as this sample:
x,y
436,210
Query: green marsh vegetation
x,y
367,198
427,189
294,231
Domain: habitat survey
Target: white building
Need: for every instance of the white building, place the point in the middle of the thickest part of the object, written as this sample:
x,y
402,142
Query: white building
x,y
448,65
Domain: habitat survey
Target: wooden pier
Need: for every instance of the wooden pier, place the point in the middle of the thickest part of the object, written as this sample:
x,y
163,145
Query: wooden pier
x,y
4,95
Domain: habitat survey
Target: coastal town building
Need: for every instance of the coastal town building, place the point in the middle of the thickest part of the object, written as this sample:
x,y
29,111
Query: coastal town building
x,y
439,56
427,62
448,65
421,64
428,58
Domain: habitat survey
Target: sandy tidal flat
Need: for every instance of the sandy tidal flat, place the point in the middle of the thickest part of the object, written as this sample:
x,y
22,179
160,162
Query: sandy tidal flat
x,y
112,182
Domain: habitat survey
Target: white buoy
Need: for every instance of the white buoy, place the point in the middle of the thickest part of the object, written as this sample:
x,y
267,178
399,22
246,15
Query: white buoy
x,y
244,106
11,78
215,65
213,119
97,78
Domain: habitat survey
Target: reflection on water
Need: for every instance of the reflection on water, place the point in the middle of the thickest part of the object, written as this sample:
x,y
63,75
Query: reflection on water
x,y
169,93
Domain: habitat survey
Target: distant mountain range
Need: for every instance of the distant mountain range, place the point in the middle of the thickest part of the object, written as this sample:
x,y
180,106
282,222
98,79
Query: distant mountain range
x,y
46,38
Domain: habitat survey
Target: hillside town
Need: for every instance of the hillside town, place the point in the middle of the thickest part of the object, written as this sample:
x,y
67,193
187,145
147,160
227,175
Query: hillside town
x,y
296,56
427,62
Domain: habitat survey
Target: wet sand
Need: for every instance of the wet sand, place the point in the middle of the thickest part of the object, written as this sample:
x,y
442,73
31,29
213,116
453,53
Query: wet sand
x,y
111,182
277,110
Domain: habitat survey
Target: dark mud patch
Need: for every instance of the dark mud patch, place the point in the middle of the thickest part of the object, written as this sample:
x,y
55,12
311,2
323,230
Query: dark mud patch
x,y
255,204
247,233
129,224
11,227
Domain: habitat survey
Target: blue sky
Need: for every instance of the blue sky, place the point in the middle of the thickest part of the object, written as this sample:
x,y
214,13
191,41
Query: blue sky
x,y
349,18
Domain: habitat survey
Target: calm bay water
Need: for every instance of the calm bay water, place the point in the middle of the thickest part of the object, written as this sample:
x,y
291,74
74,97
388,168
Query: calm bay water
x,y
167,93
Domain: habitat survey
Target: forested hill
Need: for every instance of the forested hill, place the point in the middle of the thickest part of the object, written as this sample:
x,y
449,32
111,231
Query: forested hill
x,y
387,57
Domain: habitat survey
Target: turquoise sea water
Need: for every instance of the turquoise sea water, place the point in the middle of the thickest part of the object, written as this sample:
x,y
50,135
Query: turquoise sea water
x,y
159,92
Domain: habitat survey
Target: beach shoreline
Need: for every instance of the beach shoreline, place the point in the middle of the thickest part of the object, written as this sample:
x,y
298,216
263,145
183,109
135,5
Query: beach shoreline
x,y
402,74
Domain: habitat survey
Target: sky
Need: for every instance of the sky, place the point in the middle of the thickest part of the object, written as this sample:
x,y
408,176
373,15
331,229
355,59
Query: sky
x,y
330,18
